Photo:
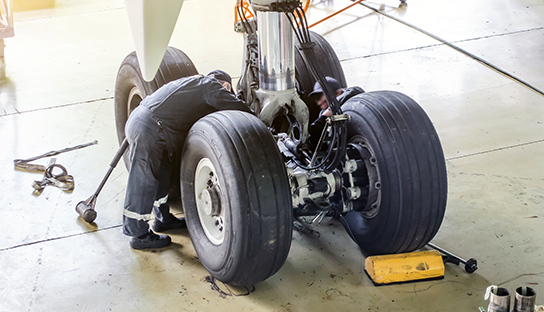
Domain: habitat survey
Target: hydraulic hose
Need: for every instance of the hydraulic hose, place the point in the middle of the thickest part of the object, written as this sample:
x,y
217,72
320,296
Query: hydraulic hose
x,y
337,146
451,45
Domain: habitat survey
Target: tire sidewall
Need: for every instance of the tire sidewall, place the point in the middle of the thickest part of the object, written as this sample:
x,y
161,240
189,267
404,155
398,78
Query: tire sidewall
x,y
216,258
128,77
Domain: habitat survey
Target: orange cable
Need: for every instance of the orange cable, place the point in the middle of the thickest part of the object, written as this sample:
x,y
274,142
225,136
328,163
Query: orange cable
x,y
335,13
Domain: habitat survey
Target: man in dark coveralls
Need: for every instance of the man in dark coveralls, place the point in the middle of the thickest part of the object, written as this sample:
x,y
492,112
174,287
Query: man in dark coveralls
x,y
156,130
317,95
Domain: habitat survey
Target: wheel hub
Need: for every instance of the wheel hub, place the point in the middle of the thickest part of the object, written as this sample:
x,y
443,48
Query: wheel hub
x,y
369,179
208,201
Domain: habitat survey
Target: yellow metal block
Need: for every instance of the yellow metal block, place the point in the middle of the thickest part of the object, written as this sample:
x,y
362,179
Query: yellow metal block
x,y
405,267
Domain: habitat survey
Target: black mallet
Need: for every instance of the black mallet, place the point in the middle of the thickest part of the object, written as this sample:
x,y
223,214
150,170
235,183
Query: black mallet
x,y
86,208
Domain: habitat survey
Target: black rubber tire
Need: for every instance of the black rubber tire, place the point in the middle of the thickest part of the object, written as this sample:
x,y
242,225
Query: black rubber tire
x,y
175,64
329,64
412,173
255,197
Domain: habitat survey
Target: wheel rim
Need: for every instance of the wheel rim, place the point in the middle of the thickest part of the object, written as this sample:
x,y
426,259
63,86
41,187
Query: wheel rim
x,y
134,99
370,205
208,203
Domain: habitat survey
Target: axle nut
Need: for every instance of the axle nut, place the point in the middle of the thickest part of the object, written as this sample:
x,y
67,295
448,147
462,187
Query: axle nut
x,y
210,201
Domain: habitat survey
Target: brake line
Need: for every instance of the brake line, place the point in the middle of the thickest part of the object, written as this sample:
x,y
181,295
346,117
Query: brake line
x,y
337,148
451,45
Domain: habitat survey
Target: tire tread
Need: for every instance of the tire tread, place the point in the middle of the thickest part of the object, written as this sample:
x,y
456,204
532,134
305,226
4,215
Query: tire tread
x,y
413,166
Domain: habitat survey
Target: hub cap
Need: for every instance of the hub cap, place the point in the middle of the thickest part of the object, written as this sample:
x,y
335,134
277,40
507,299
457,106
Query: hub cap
x,y
208,201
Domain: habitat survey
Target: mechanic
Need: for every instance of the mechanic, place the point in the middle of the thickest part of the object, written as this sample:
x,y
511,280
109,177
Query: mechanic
x,y
317,95
156,130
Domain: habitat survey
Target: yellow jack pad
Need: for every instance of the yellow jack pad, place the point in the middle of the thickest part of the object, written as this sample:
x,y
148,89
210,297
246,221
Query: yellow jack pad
x,y
406,267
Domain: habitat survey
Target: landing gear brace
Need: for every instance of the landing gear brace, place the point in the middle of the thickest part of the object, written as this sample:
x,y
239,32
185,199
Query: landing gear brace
x,y
380,168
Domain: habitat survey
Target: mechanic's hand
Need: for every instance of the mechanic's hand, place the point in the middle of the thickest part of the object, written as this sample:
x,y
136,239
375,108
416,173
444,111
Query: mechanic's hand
x,y
327,113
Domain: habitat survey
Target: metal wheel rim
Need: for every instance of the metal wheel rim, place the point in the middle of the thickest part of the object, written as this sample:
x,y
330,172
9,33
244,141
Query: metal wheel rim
x,y
374,182
206,178
133,100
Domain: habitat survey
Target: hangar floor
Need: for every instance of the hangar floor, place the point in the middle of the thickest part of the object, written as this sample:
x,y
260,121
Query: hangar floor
x,y
58,92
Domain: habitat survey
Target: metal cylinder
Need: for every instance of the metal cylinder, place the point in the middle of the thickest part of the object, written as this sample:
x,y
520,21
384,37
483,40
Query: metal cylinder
x,y
87,213
499,300
525,299
276,51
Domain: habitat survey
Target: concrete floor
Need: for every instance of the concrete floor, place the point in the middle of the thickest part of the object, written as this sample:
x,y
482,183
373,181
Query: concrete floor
x,y
58,92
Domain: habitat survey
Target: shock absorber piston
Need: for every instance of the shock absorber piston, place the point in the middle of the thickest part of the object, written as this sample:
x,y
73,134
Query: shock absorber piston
x,y
277,95
276,51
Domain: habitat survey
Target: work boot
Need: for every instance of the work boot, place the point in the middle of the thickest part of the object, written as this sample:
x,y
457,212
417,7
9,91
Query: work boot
x,y
150,240
173,223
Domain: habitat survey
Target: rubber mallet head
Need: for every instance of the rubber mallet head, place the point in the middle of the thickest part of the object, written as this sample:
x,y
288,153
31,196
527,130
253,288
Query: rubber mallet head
x,y
86,209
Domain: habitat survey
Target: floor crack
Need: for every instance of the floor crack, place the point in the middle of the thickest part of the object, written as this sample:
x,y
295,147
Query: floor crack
x,y
495,150
60,237
58,106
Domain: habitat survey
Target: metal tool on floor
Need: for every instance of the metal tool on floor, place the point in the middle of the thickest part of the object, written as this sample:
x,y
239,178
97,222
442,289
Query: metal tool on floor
x,y
524,300
25,165
471,264
499,299
86,208
64,181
